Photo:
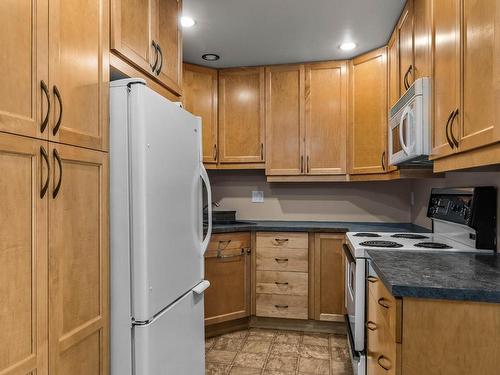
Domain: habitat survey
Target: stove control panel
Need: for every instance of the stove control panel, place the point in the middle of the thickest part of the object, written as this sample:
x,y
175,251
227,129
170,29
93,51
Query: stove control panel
x,y
454,208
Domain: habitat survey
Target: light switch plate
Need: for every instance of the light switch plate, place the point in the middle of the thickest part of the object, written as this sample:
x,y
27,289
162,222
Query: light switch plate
x,y
257,196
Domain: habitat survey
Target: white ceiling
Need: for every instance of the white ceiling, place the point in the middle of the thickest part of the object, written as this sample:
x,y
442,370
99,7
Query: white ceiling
x,y
264,32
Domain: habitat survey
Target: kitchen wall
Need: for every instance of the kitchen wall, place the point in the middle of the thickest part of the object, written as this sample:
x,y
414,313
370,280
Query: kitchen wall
x,y
353,201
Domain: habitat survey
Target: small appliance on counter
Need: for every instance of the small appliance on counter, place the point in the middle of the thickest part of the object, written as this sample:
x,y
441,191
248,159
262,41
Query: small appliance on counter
x,y
463,220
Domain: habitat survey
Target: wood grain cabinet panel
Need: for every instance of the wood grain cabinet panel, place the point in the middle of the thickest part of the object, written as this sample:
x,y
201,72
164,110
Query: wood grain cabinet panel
x,y
328,277
241,115
23,256
406,63
78,262
393,69
368,113
446,73
326,118
422,38
285,120
200,98
79,72
281,306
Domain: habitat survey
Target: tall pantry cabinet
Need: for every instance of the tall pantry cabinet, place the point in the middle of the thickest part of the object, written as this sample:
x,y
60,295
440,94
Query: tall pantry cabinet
x,y
54,187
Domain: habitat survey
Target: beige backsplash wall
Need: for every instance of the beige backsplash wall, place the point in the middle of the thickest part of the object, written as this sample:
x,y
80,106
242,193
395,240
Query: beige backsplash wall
x,y
353,201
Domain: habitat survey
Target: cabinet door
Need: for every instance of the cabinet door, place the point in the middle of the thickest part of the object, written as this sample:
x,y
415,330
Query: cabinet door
x,y
326,118
422,38
285,120
227,267
368,128
393,68
406,47
78,262
131,32
168,35
79,72
23,256
328,277
241,115
480,113
446,72
23,103
200,98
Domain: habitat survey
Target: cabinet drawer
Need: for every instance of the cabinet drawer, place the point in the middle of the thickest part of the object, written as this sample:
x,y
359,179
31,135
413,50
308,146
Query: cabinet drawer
x,y
275,259
385,305
282,240
228,241
281,306
287,283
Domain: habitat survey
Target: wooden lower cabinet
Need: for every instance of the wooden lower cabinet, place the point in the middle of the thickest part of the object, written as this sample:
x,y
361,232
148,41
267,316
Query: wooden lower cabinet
x,y
78,262
227,268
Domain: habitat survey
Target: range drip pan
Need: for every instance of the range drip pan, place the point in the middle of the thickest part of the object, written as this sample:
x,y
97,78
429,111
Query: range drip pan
x,y
411,236
375,243
363,234
432,245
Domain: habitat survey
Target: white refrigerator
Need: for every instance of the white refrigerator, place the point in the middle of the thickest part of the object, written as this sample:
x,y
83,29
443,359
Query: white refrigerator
x,y
156,234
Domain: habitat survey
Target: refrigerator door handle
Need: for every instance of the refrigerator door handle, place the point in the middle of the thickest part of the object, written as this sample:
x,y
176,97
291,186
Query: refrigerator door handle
x,y
201,287
204,177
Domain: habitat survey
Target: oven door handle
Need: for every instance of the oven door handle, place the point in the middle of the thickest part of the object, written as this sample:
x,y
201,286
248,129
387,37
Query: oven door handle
x,y
406,114
348,254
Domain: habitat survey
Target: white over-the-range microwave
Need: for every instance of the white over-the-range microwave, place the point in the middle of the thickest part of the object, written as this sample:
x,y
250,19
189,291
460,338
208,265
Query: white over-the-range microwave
x,y
409,125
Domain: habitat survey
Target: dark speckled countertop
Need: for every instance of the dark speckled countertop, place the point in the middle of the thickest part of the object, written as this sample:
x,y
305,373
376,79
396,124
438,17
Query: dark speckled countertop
x,y
316,226
451,276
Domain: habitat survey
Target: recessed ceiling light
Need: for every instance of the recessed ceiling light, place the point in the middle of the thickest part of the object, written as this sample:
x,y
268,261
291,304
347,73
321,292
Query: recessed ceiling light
x,y
210,57
347,46
187,21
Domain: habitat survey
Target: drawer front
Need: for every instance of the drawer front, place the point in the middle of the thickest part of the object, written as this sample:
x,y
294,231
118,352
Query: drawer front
x,y
384,303
275,259
229,241
281,306
282,240
287,283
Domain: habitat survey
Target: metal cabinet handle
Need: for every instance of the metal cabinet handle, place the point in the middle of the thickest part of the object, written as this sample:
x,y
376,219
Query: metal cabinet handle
x,y
301,164
405,80
215,151
45,121
281,306
45,186
248,250
383,160
381,358
155,46
280,283
308,169
158,71
281,260
372,279
281,241
372,326
262,151
58,186
447,129
383,302
454,140
59,120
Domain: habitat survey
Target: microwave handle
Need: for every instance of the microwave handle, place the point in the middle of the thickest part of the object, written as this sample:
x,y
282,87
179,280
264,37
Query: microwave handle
x,y
406,113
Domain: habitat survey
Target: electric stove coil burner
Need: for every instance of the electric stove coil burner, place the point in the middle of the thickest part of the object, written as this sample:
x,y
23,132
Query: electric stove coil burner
x,y
410,236
432,245
380,244
362,234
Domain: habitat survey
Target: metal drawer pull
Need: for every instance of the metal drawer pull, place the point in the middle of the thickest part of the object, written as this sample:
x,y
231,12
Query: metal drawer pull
x,y
447,129
280,283
158,70
153,66
453,139
388,365
219,256
372,279
45,121
45,186
372,326
281,260
383,161
281,241
383,302
281,306
59,119
59,163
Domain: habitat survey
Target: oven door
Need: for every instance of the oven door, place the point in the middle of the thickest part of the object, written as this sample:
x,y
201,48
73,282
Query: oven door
x,y
402,135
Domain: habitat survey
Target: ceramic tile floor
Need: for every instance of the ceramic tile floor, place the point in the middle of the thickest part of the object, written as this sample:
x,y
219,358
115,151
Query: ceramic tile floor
x,y
274,352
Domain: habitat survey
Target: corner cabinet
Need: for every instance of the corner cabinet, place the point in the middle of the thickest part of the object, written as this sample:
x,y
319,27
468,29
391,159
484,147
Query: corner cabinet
x,y
147,35
368,113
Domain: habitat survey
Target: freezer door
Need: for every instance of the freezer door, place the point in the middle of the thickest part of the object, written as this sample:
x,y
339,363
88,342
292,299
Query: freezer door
x,y
166,212
173,343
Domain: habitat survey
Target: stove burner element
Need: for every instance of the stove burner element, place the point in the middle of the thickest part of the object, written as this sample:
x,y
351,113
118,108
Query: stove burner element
x,y
367,235
432,245
381,244
411,236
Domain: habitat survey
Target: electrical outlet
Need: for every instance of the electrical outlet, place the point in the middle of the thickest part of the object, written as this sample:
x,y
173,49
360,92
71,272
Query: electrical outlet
x,y
257,196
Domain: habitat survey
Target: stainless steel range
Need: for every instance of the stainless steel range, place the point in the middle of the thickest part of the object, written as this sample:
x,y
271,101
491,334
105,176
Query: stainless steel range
x,y
464,220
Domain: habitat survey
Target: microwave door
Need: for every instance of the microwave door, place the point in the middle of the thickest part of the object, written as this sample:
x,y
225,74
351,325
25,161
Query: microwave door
x,y
405,131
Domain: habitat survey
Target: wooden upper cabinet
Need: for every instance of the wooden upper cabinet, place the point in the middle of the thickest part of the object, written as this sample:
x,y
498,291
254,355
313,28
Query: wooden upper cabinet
x,y
78,262
285,120
406,62
79,72
23,256
241,115
368,113
393,69
422,38
167,34
23,58
446,86
200,98
326,96
481,68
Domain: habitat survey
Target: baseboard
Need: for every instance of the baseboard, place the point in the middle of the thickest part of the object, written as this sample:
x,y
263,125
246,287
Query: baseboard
x,y
298,325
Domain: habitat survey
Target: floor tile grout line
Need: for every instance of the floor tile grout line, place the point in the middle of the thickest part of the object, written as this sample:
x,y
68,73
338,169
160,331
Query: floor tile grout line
x,y
269,351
